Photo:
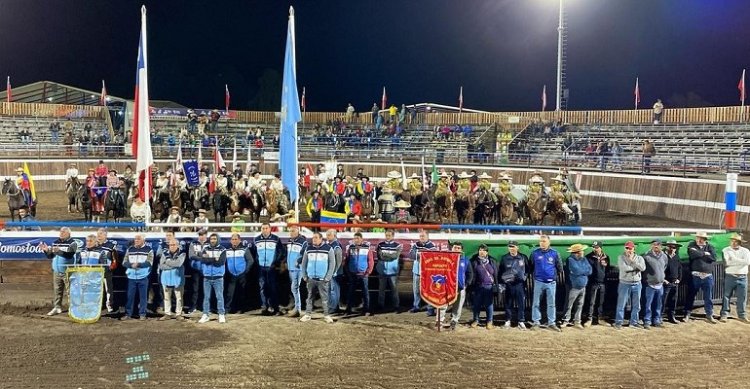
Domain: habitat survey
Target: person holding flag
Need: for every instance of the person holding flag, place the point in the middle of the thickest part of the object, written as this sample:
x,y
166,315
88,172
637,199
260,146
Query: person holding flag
x,y
25,184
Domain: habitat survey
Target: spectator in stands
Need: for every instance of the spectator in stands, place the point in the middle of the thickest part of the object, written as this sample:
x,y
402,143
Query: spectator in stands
x,y
547,265
69,126
648,152
25,136
402,114
547,132
388,253
602,150
616,151
214,119
62,253
567,142
349,113
87,130
737,259
171,143
192,121
375,111
392,112
596,293
68,142
54,130
630,265
658,111
702,258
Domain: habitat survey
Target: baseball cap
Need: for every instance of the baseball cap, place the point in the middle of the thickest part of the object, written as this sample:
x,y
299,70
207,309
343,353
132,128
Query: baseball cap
x,y
629,244
597,243
656,241
512,243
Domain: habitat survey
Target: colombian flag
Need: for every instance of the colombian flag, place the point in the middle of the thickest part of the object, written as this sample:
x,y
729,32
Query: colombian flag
x,y
332,217
29,180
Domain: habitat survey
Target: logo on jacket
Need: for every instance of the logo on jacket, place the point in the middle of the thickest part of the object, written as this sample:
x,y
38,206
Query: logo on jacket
x,y
438,283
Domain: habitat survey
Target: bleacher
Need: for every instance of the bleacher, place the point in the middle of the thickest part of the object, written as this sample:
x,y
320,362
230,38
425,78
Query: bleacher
x,y
39,128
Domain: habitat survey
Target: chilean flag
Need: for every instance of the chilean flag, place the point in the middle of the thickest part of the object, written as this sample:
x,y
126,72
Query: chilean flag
x,y
218,164
144,157
226,98
8,92
103,97
384,100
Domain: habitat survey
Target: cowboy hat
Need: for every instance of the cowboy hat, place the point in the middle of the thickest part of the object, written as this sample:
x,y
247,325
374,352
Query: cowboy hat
x,y
701,234
415,176
444,175
505,176
21,170
558,178
174,209
464,175
577,247
201,211
673,243
536,179
401,204
737,237
485,175
394,174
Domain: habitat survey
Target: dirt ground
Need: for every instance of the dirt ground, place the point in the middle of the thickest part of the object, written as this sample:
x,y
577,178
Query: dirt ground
x,y
384,351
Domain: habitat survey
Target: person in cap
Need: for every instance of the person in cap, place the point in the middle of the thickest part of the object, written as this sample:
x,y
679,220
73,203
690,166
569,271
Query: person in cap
x,y
201,221
656,263
578,272
547,266
238,224
465,277
672,278
702,256
597,291
71,174
485,279
737,260
512,270
630,265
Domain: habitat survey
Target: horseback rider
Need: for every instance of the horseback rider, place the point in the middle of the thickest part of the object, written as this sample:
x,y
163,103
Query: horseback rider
x,y
443,186
364,186
221,183
101,172
112,180
254,182
24,186
162,183
464,185
559,192
385,201
276,184
203,180
485,185
70,175
506,186
415,185
394,183
536,186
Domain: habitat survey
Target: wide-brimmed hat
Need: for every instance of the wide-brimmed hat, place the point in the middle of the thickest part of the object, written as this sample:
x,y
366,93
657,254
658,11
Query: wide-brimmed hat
x,y
485,175
401,204
201,211
505,176
19,170
673,243
444,175
174,209
464,175
558,178
701,234
73,164
393,174
537,179
737,237
415,176
577,247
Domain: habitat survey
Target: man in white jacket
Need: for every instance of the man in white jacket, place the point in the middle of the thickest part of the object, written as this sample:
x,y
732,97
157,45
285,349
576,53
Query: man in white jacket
x,y
736,259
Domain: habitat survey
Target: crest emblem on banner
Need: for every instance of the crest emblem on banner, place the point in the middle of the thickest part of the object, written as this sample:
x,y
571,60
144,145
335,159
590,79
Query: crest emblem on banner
x,y
439,277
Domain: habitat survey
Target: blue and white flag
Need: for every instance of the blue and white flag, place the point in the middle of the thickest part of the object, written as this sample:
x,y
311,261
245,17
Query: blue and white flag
x,y
192,172
290,116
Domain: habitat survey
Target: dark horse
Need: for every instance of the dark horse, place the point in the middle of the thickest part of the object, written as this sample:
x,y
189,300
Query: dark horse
x,y
220,206
421,206
464,206
71,190
115,203
84,202
254,202
15,198
486,204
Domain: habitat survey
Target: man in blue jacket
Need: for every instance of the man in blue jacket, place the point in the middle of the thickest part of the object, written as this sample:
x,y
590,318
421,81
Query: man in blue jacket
x,y
579,270
213,259
465,277
294,251
137,263
388,253
239,261
513,274
358,262
424,243
547,265
172,276
269,252
318,265
62,253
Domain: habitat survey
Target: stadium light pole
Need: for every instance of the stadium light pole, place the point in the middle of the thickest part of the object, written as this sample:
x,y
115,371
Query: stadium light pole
x,y
560,28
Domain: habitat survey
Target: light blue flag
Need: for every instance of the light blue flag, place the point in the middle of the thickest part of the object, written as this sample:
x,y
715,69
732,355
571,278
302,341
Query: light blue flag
x,y
290,115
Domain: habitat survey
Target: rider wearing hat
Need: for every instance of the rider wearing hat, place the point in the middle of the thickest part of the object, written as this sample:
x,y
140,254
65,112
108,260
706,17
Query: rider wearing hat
x,y
364,186
314,206
385,202
443,185
254,182
415,185
484,181
70,174
112,180
394,182
559,193
464,185
506,186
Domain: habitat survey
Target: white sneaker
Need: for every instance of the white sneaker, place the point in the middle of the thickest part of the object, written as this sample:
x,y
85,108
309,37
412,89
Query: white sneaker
x,y
305,318
507,324
522,325
222,319
328,319
54,311
204,319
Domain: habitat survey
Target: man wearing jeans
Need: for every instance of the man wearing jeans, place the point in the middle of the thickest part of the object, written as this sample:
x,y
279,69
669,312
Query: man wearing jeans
x,y
630,266
334,294
579,270
138,261
737,259
656,263
358,263
596,293
318,264
268,251
513,274
388,253
423,244
295,249
547,265
702,257
213,261
62,252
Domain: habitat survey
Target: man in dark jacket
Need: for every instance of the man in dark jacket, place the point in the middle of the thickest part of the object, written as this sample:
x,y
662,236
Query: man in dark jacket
x,y
578,272
702,257
513,267
485,279
672,277
596,293
465,277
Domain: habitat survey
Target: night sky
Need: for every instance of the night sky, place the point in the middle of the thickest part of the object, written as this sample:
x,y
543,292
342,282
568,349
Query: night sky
x,y
687,52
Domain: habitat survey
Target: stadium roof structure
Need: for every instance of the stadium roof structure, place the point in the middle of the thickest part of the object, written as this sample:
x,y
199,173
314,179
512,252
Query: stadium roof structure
x,y
434,107
54,92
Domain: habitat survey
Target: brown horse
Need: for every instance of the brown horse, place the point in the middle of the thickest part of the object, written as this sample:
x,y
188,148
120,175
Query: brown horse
x,y
273,202
444,208
369,206
175,198
536,206
506,210
464,205
555,208
421,206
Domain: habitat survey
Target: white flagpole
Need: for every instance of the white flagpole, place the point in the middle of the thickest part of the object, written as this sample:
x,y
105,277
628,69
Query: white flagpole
x,y
234,155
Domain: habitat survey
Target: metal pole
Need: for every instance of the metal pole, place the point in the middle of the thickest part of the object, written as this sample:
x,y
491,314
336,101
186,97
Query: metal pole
x,y
560,29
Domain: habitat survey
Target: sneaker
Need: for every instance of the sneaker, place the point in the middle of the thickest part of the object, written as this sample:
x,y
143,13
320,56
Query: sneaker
x,y
165,317
507,324
414,310
711,320
293,313
636,326
595,322
204,319
490,326
565,323
191,311
179,318
328,319
368,313
110,310
265,311
453,325
222,319
723,318
54,311
744,320
535,326
687,318
554,327
579,325
142,318
673,320
305,318
126,317
647,326
618,326
522,326
658,325
474,324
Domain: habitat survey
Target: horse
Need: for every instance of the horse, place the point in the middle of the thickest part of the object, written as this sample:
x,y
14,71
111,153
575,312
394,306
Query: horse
x,y
15,198
115,203
332,202
555,208
220,205
464,206
254,202
234,202
71,191
535,208
421,206
505,210
200,199
485,210
444,208
369,206
84,203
